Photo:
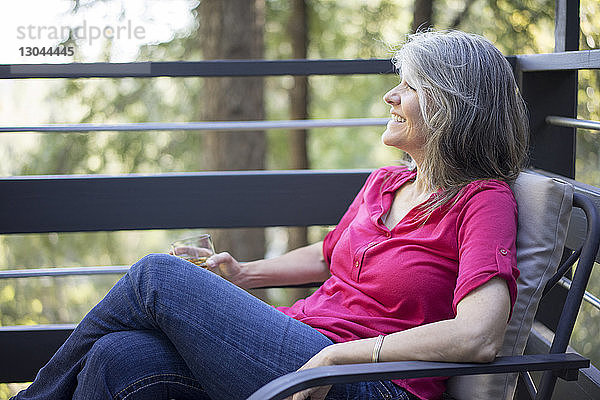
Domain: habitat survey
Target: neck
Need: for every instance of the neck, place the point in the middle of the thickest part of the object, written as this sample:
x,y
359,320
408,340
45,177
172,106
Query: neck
x,y
421,185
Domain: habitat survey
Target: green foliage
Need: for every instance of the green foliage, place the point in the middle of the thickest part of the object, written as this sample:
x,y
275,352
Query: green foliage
x,y
353,29
337,29
516,26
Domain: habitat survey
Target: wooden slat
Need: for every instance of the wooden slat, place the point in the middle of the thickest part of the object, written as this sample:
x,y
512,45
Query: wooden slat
x,y
25,349
570,60
195,200
186,200
566,25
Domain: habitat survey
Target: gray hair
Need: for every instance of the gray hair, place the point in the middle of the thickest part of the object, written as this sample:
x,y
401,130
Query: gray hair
x,y
475,118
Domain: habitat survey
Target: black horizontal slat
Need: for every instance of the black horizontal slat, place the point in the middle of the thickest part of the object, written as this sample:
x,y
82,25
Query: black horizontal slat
x,y
569,60
211,68
272,67
186,200
25,349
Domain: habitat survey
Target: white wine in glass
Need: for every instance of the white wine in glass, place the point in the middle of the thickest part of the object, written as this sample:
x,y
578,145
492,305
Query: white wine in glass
x,y
194,249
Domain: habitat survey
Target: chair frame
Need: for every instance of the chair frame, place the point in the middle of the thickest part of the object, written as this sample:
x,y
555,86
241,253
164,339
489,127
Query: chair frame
x,y
555,364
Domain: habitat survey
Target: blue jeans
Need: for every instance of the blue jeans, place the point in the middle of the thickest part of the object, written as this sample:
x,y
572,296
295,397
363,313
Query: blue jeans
x,y
171,330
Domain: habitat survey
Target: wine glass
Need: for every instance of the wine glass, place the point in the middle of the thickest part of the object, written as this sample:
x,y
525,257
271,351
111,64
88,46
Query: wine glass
x,y
195,249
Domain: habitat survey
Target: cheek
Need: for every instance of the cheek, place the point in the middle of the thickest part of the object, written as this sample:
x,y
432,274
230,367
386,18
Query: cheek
x,y
417,123
414,110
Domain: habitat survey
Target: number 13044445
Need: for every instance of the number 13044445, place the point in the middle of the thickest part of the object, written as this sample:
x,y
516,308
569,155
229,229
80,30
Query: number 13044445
x,y
46,51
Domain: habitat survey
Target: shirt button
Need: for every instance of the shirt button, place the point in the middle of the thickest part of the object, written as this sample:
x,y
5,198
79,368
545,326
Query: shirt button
x,y
356,264
503,252
387,234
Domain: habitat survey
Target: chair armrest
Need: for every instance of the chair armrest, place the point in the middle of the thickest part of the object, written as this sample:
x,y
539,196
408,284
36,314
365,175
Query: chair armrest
x,y
565,364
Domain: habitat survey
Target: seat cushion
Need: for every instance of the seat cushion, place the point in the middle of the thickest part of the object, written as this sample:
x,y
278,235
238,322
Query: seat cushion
x,y
544,206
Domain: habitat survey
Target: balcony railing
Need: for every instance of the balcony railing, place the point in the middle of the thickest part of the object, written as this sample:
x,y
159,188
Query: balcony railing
x,y
84,203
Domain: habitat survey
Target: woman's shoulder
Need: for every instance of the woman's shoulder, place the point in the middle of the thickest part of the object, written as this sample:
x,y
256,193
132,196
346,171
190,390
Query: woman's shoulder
x,y
489,202
495,185
490,191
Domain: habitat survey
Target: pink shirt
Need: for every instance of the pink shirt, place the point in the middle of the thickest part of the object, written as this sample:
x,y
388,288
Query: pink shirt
x,y
383,281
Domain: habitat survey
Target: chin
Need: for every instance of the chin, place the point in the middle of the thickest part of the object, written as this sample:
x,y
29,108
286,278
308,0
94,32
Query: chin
x,y
388,139
385,137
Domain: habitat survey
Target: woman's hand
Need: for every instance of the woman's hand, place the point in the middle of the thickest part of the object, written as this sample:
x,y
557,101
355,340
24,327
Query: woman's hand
x,y
321,359
224,265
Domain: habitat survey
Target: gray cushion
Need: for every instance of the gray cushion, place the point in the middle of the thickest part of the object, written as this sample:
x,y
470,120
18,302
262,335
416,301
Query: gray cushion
x,y
544,206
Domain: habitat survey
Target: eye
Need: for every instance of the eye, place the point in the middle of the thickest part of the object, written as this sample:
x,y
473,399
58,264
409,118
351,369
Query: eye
x,y
405,84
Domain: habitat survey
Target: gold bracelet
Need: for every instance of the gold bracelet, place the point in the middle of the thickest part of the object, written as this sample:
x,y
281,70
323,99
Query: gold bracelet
x,y
377,348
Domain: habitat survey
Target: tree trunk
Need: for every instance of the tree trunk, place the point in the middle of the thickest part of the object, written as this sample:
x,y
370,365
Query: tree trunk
x,y
458,19
233,29
298,34
422,15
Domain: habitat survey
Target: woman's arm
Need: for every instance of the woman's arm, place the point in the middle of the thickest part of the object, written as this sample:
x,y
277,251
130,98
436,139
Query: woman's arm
x,y
474,335
303,265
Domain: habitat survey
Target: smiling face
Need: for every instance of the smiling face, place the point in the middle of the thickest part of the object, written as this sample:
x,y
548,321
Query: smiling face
x,y
406,128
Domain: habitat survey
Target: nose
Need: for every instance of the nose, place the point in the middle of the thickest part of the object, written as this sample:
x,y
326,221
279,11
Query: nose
x,y
392,97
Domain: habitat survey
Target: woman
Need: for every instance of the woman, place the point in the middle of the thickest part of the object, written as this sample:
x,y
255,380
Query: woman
x,y
421,266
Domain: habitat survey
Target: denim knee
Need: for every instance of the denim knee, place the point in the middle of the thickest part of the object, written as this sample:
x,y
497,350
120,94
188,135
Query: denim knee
x,y
100,366
165,276
120,364
156,270
153,264
164,264
105,354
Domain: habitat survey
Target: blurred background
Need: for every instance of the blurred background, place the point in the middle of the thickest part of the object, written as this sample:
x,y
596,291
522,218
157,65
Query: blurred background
x,y
193,30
